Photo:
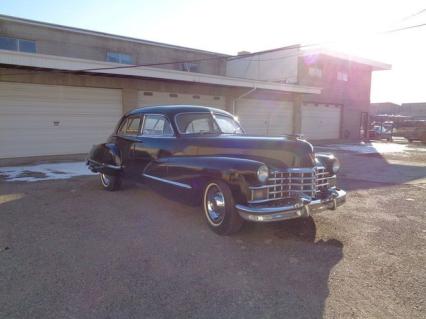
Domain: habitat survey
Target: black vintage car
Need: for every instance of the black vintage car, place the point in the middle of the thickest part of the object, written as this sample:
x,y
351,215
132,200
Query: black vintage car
x,y
203,155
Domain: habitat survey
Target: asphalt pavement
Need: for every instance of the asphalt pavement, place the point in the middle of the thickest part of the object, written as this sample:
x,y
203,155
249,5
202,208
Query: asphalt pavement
x,y
71,250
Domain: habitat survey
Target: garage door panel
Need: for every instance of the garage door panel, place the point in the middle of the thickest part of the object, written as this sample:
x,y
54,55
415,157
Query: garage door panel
x,y
39,108
265,117
164,98
47,121
321,121
53,120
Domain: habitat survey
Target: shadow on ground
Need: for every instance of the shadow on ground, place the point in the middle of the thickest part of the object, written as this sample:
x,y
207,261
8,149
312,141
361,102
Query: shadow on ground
x,y
77,251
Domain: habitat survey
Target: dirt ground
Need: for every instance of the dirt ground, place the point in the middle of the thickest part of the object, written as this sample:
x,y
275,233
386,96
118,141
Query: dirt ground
x,y
70,250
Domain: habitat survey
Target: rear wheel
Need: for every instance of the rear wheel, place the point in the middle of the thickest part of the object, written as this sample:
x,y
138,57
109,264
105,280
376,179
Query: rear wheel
x,y
109,182
219,208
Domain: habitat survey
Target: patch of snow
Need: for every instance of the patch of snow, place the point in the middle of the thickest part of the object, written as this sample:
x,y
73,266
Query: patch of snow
x,y
368,148
43,172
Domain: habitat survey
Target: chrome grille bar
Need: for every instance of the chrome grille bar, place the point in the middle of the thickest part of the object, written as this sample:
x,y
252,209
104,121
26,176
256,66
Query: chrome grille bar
x,y
293,181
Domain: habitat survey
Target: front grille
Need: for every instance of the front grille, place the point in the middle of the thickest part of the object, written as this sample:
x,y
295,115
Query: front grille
x,y
292,182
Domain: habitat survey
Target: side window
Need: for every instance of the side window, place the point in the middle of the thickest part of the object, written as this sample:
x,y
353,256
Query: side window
x,y
198,125
130,126
156,125
134,126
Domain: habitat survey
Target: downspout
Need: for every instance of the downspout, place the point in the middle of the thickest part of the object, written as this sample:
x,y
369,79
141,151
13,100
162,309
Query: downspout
x,y
234,103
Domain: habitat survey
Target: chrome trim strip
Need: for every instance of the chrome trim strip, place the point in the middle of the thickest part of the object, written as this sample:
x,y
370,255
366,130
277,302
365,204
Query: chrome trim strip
x,y
168,181
265,210
104,165
267,214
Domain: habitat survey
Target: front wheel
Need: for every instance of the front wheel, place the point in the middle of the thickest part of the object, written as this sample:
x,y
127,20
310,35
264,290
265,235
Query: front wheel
x,y
109,182
219,209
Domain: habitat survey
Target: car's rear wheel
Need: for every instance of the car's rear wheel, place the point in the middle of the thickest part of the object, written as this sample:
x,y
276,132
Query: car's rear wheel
x,y
219,208
109,182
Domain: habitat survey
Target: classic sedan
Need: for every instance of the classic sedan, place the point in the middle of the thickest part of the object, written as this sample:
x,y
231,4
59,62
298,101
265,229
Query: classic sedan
x,y
202,155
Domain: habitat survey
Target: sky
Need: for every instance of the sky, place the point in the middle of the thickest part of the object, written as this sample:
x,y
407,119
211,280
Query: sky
x,y
353,26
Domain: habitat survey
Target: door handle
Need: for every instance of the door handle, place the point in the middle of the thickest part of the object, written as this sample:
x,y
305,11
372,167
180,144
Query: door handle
x,y
132,151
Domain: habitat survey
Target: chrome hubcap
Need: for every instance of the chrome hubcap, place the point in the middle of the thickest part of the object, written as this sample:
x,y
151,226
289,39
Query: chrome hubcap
x,y
105,180
215,204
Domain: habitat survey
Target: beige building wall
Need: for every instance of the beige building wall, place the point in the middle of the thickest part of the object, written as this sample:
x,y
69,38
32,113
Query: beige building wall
x,y
93,46
276,66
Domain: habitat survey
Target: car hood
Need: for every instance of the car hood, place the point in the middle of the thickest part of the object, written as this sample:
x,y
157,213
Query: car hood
x,y
273,151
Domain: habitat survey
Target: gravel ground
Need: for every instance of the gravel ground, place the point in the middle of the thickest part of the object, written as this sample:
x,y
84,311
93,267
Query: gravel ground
x,y
70,250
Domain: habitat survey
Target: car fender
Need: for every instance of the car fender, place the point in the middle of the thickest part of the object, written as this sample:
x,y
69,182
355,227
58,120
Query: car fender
x,y
196,171
105,158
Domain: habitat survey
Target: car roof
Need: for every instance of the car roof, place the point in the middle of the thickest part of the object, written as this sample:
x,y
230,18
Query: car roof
x,y
172,110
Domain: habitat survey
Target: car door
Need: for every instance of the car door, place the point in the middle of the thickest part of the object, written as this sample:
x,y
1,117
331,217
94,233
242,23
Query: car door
x,y
155,144
127,137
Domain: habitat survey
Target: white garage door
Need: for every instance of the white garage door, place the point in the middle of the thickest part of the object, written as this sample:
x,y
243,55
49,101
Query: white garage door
x,y
54,120
321,121
148,98
265,117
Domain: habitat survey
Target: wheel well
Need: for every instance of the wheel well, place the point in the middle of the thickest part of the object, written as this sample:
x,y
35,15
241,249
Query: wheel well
x,y
236,189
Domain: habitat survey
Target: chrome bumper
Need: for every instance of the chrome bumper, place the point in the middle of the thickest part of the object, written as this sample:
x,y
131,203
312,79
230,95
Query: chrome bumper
x,y
302,209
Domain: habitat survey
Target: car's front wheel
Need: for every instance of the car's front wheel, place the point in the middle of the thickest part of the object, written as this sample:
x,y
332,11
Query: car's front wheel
x,y
109,182
219,208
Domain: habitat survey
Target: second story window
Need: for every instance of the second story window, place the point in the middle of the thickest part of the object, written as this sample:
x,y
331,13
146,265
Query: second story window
x,y
20,45
190,67
118,57
315,72
342,76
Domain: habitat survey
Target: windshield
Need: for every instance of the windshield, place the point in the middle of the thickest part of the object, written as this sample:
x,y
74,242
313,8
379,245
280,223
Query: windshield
x,y
205,123
228,125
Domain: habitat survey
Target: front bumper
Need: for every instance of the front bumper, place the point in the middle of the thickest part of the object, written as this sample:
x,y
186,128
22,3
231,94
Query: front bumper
x,y
303,208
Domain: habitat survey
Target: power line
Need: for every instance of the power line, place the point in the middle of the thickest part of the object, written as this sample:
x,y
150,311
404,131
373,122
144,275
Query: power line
x,y
415,14
405,28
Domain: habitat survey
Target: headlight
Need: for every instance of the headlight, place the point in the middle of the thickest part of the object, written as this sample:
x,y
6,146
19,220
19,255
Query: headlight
x,y
336,165
262,173
329,161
